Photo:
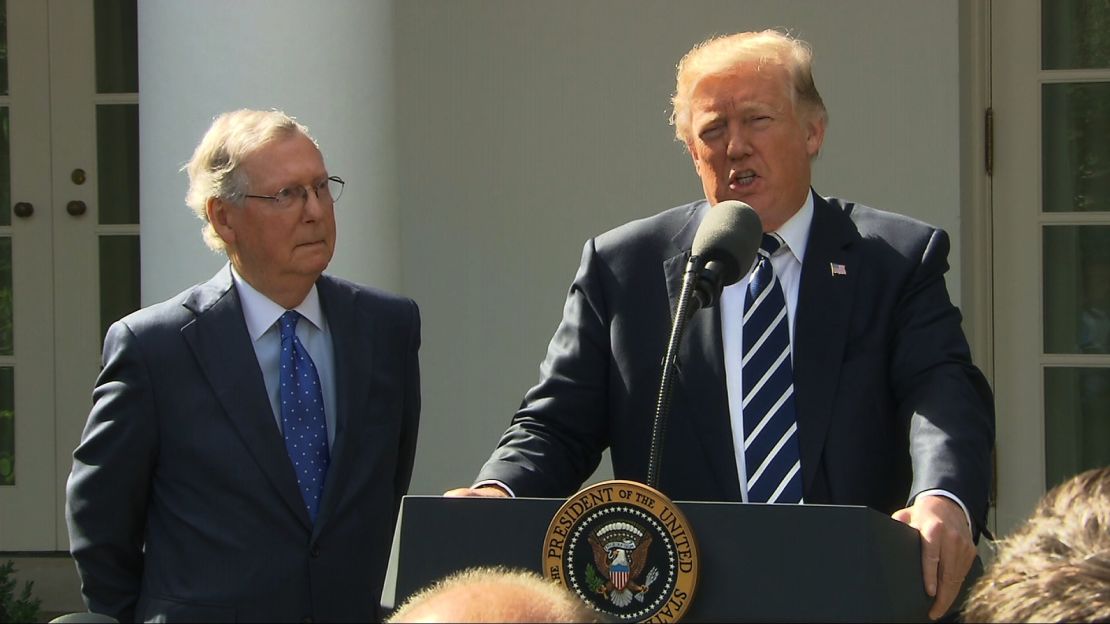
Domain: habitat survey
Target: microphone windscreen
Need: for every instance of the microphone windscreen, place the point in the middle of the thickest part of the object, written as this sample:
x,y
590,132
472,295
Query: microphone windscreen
x,y
730,234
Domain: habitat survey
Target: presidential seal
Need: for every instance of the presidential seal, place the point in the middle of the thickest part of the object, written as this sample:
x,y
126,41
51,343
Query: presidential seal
x,y
625,549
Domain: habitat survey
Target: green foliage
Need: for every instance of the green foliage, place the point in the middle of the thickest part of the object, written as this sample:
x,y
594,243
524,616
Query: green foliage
x,y
5,255
5,160
3,47
13,609
7,442
593,579
4,40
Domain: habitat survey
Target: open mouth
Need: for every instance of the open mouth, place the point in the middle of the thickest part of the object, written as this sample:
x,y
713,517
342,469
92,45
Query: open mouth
x,y
741,179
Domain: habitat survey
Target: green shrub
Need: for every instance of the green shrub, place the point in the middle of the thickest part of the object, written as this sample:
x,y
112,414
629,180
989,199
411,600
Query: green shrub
x,y
12,609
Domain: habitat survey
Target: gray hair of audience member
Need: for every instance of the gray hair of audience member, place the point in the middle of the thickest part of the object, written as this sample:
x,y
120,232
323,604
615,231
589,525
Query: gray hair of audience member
x,y
215,168
494,594
723,54
1056,565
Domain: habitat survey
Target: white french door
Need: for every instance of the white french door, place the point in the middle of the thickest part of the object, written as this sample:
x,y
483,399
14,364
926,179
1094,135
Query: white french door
x,y
68,239
1051,189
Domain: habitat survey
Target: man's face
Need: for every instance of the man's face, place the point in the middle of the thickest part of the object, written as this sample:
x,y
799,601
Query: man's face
x,y
748,142
271,247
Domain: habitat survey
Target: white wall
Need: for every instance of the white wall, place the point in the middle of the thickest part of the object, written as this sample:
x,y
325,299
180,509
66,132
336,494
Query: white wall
x,y
485,141
524,128
328,63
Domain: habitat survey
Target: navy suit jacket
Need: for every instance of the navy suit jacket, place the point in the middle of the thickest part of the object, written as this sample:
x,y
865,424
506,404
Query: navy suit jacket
x,y
183,504
888,401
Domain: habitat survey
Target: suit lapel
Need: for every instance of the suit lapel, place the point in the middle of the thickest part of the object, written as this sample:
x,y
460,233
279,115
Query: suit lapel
x,y
219,341
352,365
821,327
701,369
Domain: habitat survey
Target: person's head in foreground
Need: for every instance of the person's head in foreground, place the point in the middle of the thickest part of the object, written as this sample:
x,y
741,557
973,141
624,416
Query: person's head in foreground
x,y
494,595
1056,566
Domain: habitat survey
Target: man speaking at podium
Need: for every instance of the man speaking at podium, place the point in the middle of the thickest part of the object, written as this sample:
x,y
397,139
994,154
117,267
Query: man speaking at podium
x,y
835,372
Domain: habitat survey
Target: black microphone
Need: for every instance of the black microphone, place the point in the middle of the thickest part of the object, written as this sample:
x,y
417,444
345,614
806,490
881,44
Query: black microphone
x,y
724,248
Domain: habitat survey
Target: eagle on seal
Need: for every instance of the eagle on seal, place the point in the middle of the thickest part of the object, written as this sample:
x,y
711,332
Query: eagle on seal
x,y
621,562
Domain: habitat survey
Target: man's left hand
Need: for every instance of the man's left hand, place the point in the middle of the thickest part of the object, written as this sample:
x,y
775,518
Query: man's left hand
x,y
947,549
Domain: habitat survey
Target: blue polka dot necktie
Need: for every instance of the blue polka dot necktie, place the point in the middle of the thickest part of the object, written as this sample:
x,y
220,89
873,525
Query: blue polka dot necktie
x,y
302,415
770,425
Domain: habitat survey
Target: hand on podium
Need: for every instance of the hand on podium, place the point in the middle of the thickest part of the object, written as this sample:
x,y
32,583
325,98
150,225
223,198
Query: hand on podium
x,y
491,491
947,549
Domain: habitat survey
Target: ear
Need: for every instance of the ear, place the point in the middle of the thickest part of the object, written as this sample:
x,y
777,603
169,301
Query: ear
x,y
219,215
698,163
815,135
693,153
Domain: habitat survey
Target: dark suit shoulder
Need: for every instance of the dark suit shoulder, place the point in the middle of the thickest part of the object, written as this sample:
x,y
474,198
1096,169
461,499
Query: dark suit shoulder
x,y
365,293
651,232
627,249
882,223
879,230
165,316
375,306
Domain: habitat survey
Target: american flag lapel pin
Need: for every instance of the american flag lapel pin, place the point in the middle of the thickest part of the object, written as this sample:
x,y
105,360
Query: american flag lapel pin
x,y
837,269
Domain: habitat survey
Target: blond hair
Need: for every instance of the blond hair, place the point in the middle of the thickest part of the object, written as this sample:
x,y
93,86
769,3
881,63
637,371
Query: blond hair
x,y
494,594
1056,566
214,170
723,54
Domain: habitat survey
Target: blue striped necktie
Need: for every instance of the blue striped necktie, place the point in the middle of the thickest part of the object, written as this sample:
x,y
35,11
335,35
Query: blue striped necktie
x,y
302,415
770,424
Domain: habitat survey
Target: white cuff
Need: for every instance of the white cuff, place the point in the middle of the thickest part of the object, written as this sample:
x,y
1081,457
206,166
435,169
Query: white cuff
x,y
510,490
950,495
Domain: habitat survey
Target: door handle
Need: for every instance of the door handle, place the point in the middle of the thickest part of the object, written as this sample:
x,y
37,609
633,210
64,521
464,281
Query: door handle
x,y
23,209
76,207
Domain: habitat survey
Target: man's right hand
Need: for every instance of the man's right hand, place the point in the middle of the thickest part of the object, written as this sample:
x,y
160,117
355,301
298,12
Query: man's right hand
x,y
491,491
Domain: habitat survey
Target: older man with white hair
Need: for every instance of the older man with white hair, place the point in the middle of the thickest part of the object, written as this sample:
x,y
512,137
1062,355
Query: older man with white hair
x,y
251,438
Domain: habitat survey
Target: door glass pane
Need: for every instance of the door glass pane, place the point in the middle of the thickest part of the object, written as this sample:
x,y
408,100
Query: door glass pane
x,y
3,47
1074,34
117,44
117,161
7,426
1077,421
1076,158
5,169
6,295
1077,289
119,279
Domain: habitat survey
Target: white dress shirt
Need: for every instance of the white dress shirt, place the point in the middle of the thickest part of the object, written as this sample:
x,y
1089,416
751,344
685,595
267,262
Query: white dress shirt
x,y
261,315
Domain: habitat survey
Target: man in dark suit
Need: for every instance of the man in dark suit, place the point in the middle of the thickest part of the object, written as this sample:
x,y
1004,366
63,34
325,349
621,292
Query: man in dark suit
x,y
251,438
875,400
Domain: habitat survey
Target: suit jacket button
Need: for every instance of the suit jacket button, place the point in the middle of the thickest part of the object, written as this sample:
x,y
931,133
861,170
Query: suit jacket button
x,y
315,552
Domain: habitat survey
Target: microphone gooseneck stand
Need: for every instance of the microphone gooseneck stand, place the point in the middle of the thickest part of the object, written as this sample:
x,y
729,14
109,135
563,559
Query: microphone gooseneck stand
x,y
670,368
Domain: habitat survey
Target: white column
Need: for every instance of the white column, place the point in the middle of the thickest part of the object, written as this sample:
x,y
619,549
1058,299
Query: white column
x,y
329,64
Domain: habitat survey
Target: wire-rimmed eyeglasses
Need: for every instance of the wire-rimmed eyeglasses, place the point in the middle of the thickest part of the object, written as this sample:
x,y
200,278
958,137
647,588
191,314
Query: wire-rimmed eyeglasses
x,y
327,191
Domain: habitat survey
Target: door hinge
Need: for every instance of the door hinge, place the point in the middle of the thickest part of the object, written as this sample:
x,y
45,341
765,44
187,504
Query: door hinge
x,y
988,141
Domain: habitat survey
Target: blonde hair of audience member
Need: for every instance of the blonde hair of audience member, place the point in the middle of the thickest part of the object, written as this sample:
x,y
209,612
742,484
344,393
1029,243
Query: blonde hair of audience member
x,y
494,595
214,170
1056,566
721,55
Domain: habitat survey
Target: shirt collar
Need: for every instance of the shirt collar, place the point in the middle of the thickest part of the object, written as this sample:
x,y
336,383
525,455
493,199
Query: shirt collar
x,y
795,232
260,312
